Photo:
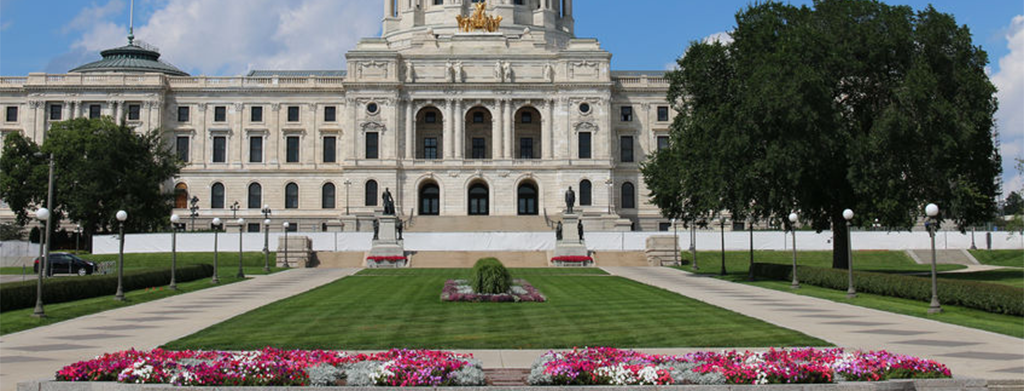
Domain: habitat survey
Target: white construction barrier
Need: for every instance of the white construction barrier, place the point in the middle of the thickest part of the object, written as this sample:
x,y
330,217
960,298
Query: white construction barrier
x,y
14,253
544,241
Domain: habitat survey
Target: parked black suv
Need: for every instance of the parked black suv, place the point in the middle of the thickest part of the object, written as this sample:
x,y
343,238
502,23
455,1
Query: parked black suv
x,y
68,264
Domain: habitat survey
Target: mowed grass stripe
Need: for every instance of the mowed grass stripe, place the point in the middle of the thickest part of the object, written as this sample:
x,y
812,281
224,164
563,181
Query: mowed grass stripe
x,y
376,312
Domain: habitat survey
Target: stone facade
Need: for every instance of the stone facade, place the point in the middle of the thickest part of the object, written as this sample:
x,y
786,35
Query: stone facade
x,y
452,112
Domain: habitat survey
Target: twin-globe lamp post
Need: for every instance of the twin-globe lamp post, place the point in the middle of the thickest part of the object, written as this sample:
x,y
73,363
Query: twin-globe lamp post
x,y
286,226
216,231
932,224
266,237
793,217
43,215
241,231
174,249
121,217
851,292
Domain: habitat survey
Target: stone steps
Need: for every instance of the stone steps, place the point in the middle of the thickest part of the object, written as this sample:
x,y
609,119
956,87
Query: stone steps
x,y
478,224
945,257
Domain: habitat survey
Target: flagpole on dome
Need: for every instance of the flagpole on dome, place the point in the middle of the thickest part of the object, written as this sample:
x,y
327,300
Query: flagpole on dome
x,y
131,23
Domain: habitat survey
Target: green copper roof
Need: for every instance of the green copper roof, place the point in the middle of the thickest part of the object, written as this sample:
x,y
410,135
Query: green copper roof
x,y
130,59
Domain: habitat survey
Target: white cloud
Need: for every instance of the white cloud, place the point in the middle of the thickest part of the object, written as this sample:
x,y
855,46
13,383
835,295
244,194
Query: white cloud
x,y
723,37
93,13
1010,117
231,37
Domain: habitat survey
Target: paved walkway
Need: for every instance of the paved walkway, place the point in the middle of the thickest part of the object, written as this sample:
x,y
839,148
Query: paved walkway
x,y
38,353
967,352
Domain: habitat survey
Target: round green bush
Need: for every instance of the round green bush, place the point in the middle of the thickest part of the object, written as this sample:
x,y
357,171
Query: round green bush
x,y
491,277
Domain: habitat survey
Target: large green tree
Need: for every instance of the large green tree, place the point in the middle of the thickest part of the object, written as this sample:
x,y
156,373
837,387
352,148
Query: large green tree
x,y
100,168
847,104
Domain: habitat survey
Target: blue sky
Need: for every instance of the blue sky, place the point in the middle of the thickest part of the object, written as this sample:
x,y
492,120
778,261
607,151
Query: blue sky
x,y
230,37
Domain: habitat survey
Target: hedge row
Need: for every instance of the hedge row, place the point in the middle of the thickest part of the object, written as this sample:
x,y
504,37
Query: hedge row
x,y
58,290
490,277
995,298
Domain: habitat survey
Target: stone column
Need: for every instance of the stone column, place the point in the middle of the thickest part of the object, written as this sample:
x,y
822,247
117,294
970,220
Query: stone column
x,y
507,130
610,183
497,125
314,135
66,111
353,106
449,123
547,143
240,125
202,135
568,8
389,8
119,111
460,131
410,136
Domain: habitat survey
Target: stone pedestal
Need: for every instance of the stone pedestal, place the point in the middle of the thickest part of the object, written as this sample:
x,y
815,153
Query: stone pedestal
x,y
386,244
661,250
571,244
299,252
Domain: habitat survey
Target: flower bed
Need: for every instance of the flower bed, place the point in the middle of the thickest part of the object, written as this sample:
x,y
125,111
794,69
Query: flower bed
x,y
274,367
608,366
583,261
397,261
460,290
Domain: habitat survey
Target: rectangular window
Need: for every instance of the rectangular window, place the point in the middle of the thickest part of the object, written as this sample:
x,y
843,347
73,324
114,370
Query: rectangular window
x,y
219,149
430,148
256,114
584,145
293,149
527,118
134,112
664,227
479,148
94,111
12,114
220,114
293,227
330,114
252,228
626,149
662,142
627,114
255,149
372,145
330,149
662,113
183,115
55,112
182,148
293,113
478,117
526,148
430,118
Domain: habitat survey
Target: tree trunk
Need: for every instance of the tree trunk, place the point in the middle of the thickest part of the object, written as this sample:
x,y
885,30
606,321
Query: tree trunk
x,y
840,255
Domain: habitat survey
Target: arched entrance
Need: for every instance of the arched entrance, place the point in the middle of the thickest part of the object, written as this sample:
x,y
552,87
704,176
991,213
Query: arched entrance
x,y
429,134
527,133
527,199
430,199
181,196
479,199
479,133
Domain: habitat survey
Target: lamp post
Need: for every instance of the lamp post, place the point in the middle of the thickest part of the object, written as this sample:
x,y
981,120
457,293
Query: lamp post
x,y
693,244
216,231
174,249
286,225
851,292
793,217
932,224
721,222
750,228
348,185
194,211
78,237
43,215
49,222
241,230
675,234
266,238
234,209
121,217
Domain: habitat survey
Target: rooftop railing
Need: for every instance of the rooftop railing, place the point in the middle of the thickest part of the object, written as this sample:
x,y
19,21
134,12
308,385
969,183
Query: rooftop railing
x,y
126,80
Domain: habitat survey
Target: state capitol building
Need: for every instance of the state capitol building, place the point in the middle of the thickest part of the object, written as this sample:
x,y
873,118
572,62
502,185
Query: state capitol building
x,y
476,116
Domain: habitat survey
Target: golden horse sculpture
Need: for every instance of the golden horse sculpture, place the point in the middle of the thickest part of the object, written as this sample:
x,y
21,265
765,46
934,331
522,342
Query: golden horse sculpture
x,y
479,20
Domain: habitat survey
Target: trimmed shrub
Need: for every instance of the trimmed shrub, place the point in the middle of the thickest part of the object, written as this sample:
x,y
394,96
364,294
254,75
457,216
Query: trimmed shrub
x,y
20,295
988,297
490,277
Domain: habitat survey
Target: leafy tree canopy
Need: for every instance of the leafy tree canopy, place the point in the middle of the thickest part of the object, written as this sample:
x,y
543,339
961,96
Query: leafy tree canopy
x,y
847,104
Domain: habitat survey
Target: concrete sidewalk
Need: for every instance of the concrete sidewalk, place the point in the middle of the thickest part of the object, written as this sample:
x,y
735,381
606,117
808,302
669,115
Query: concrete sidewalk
x,y
967,352
38,353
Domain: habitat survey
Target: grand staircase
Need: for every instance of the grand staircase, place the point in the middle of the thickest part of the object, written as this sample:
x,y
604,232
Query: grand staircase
x,y
478,224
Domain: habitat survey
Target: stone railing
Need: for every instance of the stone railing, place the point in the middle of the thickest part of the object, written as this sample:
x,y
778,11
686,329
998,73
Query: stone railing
x,y
156,80
641,81
256,82
80,79
13,81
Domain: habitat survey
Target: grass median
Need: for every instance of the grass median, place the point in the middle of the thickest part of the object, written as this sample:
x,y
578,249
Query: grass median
x,y
1009,258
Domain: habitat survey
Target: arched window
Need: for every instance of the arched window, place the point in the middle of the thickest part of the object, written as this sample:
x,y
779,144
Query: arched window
x,y
181,196
430,200
479,197
586,193
291,196
217,196
327,196
628,196
371,193
527,197
255,196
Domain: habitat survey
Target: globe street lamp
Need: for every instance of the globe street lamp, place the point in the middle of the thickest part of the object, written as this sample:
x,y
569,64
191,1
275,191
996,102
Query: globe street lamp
x,y
850,292
266,237
675,233
286,225
43,215
78,237
721,222
241,230
348,184
693,244
216,231
174,249
793,217
932,224
49,222
121,217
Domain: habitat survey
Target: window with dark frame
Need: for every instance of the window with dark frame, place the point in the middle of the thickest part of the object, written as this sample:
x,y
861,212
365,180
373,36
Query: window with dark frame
x,y
293,149
134,112
181,147
217,196
327,196
430,117
95,111
256,149
253,228
662,142
527,117
430,148
627,114
586,193
220,114
293,227
220,149
662,113
628,196
55,112
584,145
12,114
526,148
478,117
372,145
293,113
255,196
370,193
330,114
291,196
479,148
626,149
183,114
256,114
330,149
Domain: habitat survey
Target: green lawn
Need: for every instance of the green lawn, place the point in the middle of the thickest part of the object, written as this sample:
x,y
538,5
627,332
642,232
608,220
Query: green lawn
x,y
1011,258
382,309
737,263
1008,276
18,320
997,323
